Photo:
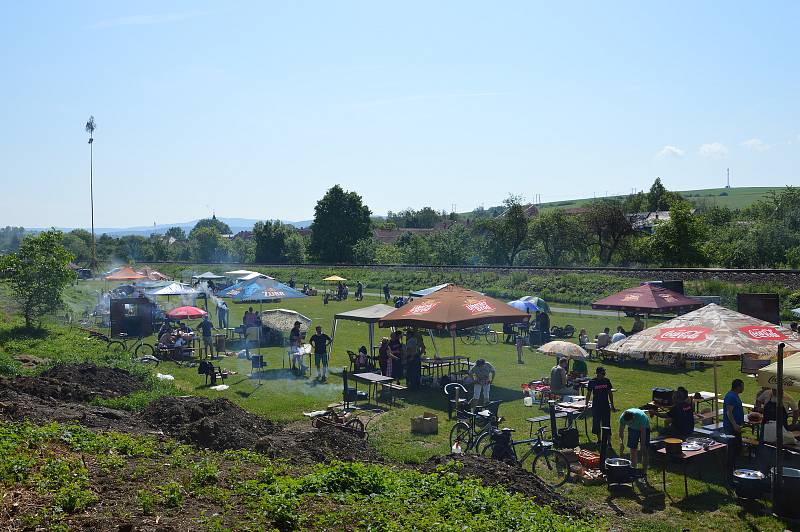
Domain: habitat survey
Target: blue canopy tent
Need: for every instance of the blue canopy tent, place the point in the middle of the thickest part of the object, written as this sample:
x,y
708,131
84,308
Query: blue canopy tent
x,y
265,290
524,305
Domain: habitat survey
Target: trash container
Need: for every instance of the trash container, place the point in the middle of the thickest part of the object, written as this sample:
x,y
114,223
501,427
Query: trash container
x,y
791,487
219,343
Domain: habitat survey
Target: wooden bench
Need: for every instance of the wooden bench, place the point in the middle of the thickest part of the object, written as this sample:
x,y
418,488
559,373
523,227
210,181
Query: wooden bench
x,y
393,387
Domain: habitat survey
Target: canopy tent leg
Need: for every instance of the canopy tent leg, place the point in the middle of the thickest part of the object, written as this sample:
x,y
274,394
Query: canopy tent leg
x,y
333,335
777,485
433,342
372,339
453,335
716,396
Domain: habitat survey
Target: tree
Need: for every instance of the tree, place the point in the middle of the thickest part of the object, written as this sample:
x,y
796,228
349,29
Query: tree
x,y
242,250
206,242
271,237
507,234
218,225
678,241
175,232
340,220
559,233
656,198
364,251
451,247
159,248
388,254
295,248
79,249
415,249
609,227
37,274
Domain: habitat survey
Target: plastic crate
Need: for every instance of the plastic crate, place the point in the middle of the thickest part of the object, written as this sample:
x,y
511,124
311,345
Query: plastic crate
x,y
588,459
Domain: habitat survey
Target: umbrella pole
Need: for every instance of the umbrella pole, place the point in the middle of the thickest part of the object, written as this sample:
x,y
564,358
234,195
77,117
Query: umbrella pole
x,y
777,486
372,339
716,396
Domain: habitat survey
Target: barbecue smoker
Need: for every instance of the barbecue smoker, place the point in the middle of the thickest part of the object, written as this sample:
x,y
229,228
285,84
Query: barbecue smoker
x,y
132,316
618,471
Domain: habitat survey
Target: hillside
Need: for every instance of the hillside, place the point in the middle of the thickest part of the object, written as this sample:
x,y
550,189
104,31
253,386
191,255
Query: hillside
x,y
734,198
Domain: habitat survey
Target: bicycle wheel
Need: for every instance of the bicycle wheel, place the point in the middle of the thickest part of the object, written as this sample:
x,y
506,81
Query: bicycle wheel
x,y
356,427
461,433
551,467
116,347
465,338
143,350
491,337
482,442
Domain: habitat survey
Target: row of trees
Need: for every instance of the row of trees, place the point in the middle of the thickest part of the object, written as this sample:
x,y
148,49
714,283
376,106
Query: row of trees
x,y
766,234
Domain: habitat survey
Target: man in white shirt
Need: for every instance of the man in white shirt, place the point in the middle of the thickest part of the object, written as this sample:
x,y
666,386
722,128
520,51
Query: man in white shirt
x,y
619,335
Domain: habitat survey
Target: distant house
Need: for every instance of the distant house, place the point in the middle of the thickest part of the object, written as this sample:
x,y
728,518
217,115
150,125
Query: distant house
x,y
530,210
243,235
646,221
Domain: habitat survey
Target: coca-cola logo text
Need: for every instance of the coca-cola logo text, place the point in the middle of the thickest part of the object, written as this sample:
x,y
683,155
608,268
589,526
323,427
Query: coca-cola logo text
x,y
757,332
683,334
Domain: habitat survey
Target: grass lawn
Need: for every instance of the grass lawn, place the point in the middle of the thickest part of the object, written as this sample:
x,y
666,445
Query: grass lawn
x,y
281,396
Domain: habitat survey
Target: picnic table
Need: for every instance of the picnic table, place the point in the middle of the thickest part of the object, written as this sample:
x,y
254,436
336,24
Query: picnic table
x,y
457,366
684,458
373,380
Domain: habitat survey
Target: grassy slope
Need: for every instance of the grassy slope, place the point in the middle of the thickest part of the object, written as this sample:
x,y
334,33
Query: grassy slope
x,y
736,198
283,397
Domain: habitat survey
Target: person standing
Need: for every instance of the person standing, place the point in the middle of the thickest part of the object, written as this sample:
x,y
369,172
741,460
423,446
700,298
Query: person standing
x,y
732,421
638,423
222,315
294,343
396,349
320,342
359,291
205,328
482,374
519,342
603,403
415,349
386,293
385,358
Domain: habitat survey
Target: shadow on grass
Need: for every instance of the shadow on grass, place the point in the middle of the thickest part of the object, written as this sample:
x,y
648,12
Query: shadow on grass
x,y
23,333
649,498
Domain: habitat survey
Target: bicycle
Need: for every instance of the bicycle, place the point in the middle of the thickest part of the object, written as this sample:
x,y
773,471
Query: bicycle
x,y
549,465
467,432
473,335
138,350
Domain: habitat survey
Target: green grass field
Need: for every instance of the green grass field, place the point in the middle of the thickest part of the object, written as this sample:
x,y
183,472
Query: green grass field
x,y
734,198
281,396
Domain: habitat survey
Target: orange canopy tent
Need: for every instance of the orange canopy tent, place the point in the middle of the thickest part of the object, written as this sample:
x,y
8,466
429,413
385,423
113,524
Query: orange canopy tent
x,y
126,273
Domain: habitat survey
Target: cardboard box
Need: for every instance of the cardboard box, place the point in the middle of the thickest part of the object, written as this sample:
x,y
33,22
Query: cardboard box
x,y
427,423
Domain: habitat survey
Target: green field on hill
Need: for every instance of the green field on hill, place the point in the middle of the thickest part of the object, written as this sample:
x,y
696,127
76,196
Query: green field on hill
x,y
734,198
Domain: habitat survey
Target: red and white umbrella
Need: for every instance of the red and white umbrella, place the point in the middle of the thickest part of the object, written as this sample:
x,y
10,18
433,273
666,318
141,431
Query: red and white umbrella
x,y
186,313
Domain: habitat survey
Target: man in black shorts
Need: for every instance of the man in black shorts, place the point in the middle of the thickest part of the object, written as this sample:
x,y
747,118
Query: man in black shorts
x,y
603,403
320,342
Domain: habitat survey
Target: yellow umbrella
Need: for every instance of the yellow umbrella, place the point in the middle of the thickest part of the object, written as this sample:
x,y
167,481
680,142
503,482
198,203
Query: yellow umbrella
x,y
334,278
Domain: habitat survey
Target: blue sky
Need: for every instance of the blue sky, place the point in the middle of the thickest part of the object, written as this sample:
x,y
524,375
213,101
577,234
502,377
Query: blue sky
x,y
254,109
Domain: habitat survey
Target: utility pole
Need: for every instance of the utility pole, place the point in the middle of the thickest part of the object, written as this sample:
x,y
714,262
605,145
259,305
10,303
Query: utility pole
x,y
728,172
90,127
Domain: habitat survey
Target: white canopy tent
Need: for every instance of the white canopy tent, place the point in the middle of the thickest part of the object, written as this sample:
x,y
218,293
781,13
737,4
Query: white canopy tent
x,y
174,289
369,315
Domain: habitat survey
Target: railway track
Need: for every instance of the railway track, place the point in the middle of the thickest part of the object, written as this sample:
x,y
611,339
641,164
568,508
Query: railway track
x,y
789,278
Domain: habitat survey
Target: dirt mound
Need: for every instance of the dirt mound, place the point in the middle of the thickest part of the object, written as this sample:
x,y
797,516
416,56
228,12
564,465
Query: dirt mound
x,y
306,445
20,406
216,424
76,383
104,381
513,478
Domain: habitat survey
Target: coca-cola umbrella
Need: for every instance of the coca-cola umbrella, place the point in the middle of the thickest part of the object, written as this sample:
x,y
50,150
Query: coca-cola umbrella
x,y
711,333
451,308
186,313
